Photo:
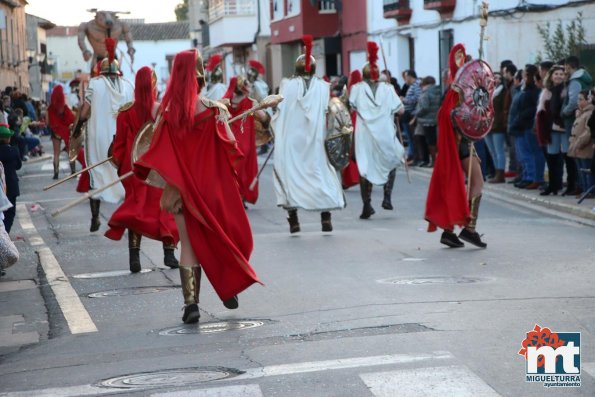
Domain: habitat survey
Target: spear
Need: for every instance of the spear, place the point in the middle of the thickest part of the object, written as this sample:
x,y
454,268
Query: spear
x,y
61,181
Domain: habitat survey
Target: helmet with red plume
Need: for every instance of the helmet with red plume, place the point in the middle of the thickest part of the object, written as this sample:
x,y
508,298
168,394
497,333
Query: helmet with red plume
x,y
255,68
214,68
370,70
305,64
456,58
110,65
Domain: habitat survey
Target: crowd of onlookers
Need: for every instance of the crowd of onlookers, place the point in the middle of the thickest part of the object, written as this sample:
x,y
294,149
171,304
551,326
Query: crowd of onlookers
x,y
543,115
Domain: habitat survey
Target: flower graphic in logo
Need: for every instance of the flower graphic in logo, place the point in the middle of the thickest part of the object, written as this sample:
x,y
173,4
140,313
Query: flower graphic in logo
x,y
540,337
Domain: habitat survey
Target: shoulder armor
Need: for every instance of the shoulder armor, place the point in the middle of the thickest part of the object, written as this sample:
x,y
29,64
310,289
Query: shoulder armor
x,y
125,107
215,104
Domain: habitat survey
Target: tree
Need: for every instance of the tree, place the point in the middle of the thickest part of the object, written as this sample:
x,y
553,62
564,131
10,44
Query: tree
x,y
561,43
182,11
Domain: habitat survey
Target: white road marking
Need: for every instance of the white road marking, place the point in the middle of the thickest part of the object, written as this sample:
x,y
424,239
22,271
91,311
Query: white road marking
x,y
252,373
76,315
428,382
50,166
229,391
111,273
356,362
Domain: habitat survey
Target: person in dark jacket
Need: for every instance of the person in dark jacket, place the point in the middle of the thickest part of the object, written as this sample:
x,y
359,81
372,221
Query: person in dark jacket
x,y
528,147
496,138
427,112
11,160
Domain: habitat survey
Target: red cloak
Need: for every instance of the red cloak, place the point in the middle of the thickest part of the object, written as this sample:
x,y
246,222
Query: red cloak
x,y
447,205
199,162
140,211
60,125
350,174
245,135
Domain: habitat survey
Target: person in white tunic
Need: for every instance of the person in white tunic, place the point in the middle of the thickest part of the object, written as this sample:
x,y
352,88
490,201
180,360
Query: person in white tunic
x,y
378,152
215,90
303,176
106,94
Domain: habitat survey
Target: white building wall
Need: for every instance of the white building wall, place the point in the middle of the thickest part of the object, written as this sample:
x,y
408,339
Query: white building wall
x,y
67,56
515,38
233,29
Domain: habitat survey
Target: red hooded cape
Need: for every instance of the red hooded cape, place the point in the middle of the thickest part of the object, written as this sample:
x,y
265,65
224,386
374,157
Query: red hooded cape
x,y
243,130
447,205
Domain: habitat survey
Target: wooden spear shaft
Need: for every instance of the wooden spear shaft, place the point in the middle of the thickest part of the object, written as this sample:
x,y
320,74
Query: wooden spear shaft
x,y
61,181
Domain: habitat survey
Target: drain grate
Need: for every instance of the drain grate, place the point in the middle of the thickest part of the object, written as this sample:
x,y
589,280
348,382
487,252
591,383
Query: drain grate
x,y
214,327
131,291
169,378
114,273
432,280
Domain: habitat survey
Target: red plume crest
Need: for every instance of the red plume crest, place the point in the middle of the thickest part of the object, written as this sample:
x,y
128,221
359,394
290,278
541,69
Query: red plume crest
x,y
214,61
308,39
110,46
257,65
373,59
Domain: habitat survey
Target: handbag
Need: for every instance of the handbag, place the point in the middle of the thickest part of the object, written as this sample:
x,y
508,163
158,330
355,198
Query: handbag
x,y
9,254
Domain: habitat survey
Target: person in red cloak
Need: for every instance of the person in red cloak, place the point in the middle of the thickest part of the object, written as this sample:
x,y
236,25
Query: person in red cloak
x,y
447,204
140,212
350,174
195,153
60,117
245,134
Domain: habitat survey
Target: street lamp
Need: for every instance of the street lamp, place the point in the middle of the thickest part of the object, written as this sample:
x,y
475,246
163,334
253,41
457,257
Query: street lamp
x,y
32,56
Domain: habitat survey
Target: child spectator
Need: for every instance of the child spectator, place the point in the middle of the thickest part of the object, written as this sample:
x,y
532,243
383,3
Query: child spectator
x,y
11,160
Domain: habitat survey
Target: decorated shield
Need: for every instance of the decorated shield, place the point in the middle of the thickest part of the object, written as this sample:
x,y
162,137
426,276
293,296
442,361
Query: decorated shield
x,y
142,143
263,131
75,144
339,134
474,115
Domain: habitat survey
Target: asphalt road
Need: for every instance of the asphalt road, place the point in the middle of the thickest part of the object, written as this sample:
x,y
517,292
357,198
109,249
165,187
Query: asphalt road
x,y
375,308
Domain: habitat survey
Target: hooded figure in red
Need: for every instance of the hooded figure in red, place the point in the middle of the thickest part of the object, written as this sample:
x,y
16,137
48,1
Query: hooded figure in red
x,y
245,134
350,174
140,212
60,117
448,204
195,153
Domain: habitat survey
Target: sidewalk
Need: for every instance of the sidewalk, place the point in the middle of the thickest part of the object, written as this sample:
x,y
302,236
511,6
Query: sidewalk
x,y
566,207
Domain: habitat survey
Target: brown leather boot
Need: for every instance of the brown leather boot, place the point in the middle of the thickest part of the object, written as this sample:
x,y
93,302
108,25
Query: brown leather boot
x,y
190,280
498,178
366,192
294,223
469,234
134,251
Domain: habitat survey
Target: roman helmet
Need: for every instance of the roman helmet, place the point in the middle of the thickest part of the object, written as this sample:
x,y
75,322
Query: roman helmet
x,y
214,69
254,70
370,70
305,64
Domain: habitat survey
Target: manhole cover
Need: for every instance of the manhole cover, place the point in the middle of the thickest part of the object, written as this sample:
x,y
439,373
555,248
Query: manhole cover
x,y
131,291
114,273
431,280
212,328
172,378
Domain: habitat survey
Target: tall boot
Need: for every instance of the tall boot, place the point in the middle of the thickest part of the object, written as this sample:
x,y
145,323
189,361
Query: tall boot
x,y
169,259
72,167
190,280
469,234
325,220
366,192
554,176
498,178
134,251
388,190
95,222
56,167
294,223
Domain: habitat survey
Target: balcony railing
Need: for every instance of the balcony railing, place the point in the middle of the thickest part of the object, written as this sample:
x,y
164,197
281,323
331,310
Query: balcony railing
x,y
223,8
397,9
444,7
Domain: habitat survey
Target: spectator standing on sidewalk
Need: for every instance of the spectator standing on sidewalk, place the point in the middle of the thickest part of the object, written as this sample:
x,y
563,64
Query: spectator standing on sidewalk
x,y
578,79
410,102
496,138
11,161
426,114
509,71
581,146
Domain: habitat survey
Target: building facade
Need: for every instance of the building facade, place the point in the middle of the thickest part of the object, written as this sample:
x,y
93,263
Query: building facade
x,y
39,65
13,55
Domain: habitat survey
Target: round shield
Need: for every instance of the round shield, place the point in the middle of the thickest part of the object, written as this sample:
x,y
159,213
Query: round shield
x,y
474,115
263,132
75,144
141,144
339,132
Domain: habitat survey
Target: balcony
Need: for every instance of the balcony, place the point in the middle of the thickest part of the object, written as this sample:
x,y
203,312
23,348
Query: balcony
x,y
397,9
444,7
232,22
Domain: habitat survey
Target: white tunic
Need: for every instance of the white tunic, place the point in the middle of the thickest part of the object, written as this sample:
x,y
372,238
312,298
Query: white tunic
x,y
377,149
216,91
105,98
303,176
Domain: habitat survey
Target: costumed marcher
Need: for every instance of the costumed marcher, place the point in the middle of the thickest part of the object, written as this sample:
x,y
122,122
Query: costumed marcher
x,y
140,212
259,91
105,95
60,119
303,175
73,99
215,89
378,152
195,153
448,204
350,174
245,134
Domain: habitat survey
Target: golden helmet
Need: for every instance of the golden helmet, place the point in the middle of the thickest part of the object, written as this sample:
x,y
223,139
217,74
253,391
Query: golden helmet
x,y
367,72
108,67
300,66
200,68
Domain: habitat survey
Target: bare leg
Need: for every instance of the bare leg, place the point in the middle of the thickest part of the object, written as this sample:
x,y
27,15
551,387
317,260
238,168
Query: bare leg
x,y
469,234
190,273
476,176
187,257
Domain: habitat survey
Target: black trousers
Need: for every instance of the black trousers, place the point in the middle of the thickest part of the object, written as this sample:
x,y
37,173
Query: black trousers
x,y
10,213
